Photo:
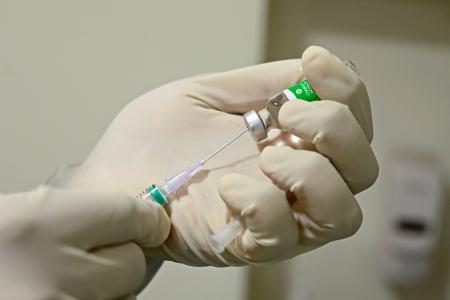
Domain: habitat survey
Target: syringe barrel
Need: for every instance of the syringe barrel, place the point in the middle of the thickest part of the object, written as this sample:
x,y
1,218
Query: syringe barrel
x,y
172,185
224,236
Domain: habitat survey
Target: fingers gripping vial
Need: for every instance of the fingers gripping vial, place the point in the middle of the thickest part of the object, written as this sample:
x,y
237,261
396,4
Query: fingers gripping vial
x,y
258,124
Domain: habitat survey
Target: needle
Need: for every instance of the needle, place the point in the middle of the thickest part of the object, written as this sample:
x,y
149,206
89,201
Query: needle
x,y
160,193
226,144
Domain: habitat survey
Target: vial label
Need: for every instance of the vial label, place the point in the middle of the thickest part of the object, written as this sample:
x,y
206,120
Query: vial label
x,y
304,91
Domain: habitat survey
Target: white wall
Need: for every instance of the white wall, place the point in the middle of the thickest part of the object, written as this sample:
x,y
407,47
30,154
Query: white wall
x,y
68,67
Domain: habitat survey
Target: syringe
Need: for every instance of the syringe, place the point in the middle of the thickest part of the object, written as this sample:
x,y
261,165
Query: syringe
x,y
224,236
160,193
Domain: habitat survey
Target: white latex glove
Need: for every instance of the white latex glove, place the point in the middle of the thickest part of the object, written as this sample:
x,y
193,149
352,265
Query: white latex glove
x,y
166,129
57,244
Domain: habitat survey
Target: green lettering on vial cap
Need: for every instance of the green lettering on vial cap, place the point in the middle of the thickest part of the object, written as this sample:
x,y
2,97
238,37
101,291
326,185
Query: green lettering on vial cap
x,y
304,91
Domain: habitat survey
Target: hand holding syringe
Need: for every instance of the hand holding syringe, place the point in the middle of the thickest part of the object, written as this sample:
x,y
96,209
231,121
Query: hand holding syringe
x,y
258,124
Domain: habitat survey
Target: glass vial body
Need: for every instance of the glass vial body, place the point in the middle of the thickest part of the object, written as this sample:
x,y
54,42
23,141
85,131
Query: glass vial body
x,y
259,123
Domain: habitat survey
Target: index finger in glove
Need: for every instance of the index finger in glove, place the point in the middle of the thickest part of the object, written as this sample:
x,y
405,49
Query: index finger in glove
x,y
93,219
333,80
271,231
241,90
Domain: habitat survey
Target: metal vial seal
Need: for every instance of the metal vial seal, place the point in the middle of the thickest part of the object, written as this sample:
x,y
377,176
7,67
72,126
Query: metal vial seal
x,y
255,125
259,123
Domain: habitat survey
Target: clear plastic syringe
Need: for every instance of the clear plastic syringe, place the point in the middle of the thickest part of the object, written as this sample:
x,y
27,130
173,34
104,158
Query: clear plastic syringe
x,y
224,236
160,193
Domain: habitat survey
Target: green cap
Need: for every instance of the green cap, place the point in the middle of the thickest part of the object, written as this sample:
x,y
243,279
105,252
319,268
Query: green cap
x,y
304,91
158,195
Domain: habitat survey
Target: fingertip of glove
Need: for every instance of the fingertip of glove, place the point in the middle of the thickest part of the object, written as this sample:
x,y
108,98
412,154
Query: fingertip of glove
x,y
317,63
238,191
291,114
320,64
372,173
229,182
272,155
160,225
313,52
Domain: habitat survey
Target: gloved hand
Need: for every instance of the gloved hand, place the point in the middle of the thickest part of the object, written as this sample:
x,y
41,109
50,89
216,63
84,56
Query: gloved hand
x,y
57,244
289,199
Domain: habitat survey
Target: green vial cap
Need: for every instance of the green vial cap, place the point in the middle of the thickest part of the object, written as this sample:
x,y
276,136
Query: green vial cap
x,y
304,91
158,195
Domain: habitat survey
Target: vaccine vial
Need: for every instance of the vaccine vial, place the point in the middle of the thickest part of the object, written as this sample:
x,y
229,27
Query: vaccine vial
x,y
260,123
